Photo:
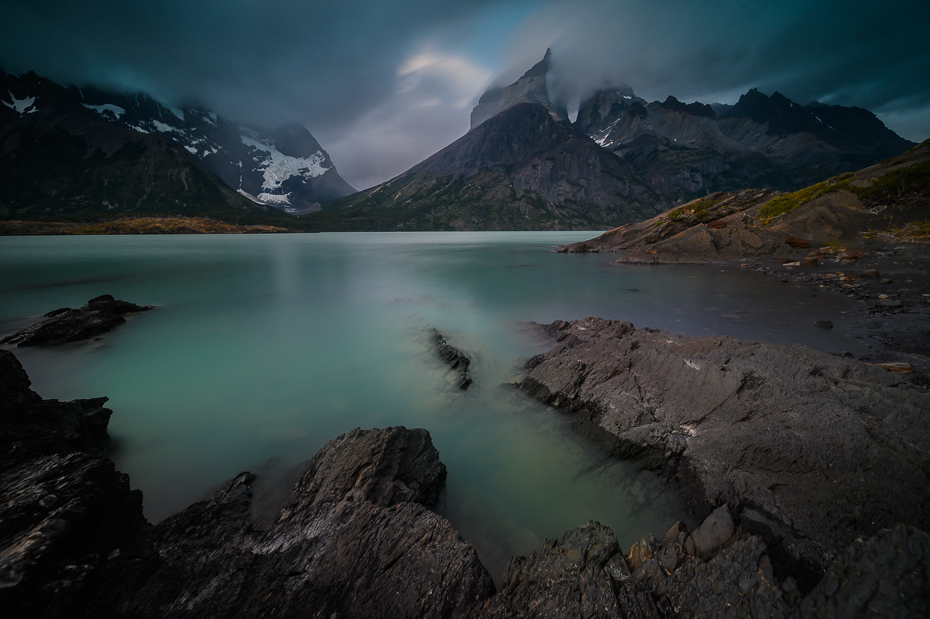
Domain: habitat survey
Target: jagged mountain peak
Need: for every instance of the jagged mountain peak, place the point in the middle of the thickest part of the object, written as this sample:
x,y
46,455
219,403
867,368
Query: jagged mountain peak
x,y
522,169
540,68
531,87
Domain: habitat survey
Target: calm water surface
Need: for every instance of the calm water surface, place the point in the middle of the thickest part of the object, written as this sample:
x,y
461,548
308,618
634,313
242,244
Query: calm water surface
x,y
265,347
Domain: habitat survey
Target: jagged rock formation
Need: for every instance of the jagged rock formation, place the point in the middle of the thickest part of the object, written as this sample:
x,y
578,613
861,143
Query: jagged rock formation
x,y
64,509
685,151
520,170
98,316
80,151
356,539
456,360
530,88
809,449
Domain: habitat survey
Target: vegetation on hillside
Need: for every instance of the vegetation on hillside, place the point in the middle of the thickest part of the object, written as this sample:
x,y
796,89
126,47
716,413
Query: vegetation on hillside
x,y
133,225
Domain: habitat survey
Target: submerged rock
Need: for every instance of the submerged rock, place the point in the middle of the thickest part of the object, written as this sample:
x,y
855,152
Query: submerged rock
x,y
808,449
98,316
454,358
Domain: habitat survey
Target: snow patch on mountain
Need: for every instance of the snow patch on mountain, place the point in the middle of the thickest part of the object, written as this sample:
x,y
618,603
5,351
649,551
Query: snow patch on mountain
x,y
21,106
272,198
162,127
104,110
279,167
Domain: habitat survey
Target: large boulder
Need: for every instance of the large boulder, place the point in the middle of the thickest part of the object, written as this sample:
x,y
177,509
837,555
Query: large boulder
x,y
809,449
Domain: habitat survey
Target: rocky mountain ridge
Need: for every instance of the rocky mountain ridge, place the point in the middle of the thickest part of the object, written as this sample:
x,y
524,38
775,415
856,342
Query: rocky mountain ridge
x,y
285,168
882,204
522,169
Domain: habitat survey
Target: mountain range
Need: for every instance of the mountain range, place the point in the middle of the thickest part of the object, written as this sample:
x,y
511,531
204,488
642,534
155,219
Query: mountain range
x,y
67,151
525,165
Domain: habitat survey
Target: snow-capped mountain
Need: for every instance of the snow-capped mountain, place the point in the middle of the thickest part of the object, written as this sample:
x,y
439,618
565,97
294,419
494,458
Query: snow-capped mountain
x,y
286,168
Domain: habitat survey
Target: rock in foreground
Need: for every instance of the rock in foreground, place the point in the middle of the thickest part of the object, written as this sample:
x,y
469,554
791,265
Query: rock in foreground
x,y
98,316
809,449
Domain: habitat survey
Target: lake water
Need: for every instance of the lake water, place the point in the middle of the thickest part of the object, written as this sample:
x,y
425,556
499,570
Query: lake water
x,y
263,348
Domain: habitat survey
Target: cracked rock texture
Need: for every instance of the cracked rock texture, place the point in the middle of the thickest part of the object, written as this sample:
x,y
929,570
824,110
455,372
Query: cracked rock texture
x,y
808,449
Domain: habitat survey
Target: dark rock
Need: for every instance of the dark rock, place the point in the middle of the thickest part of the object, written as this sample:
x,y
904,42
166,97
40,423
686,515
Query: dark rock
x,y
454,358
798,243
822,449
63,507
717,224
888,303
714,533
810,261
98,316
356,540
886,576
870,273
824,324
582,574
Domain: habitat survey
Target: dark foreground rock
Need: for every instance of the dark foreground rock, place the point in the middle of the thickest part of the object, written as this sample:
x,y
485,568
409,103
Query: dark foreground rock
x,y
63,507
808,449
357,540
98,316
457,361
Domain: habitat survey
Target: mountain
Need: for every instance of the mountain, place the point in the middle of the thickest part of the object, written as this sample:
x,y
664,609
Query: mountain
x,y
880,206
522,169
530,88
285,168
688,150
59,159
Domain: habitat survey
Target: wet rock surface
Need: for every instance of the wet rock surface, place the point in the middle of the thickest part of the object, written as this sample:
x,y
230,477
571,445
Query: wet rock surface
x,y
808,449
455,359
356,539
63,507
98,316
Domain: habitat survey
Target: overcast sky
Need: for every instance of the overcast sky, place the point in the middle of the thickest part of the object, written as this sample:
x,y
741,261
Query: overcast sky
x,y
384,84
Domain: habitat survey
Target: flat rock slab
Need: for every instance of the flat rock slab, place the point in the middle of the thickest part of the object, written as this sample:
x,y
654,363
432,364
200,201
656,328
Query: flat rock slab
x,y
98,316
812,449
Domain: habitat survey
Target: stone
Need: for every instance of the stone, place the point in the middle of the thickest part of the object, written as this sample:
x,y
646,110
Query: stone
x,y
457,361
824,324
714,533
898,367
98,316
810,261
870,274
798,242
716,225
802,437
888,303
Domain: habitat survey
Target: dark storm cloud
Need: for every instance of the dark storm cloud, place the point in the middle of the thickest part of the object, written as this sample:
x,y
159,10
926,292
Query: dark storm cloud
x,y
869,54
383,84
255,58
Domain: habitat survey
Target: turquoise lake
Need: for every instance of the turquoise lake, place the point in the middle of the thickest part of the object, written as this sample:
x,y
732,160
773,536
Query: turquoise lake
x,y
262,348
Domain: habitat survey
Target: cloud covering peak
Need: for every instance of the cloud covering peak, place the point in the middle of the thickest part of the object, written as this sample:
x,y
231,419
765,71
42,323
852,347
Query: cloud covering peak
x,y
384,85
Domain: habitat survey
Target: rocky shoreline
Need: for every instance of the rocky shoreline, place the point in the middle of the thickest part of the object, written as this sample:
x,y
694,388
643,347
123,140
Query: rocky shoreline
x,y
65,325
357,537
